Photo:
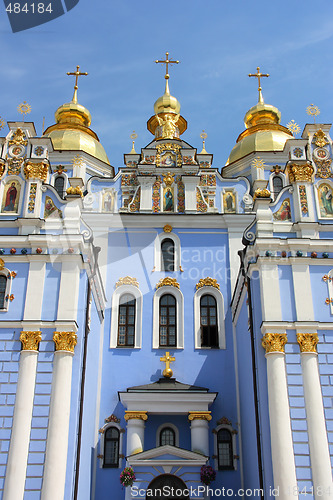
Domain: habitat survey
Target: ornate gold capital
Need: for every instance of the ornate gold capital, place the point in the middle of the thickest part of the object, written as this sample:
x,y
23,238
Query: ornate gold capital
x,y
127,281
199,415
2,168
301,173
274,342
308,342
207,282
168,179
18,138
36,170
65,341
30,340
140,415
167,282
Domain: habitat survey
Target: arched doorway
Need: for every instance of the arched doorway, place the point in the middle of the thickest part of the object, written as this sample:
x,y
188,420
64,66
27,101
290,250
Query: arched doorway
x,y
167,486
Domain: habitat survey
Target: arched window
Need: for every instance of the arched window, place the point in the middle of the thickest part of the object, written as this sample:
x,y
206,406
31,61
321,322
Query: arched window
x,y
208,321
168,255
3,286
126,320
277,185
168,324
111,447
167,436
59,185
224,449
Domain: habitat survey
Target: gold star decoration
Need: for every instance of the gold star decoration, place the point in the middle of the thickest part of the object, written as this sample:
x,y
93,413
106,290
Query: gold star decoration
x,y
2,123
313,110
77,161
24,108
293,127
133,136
258,163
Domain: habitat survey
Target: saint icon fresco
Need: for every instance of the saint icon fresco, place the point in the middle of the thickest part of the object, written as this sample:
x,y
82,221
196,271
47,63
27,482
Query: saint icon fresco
x,y
284,212
229,205
325,200
168,200
11,197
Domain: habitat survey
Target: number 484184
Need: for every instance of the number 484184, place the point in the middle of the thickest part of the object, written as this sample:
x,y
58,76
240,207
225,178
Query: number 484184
x,y
29,8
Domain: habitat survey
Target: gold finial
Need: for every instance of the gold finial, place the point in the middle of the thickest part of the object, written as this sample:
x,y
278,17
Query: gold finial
x,y
313,110
167,359
133,136
167,61
203,136
76,74
2,123
24,108
293,127
259,75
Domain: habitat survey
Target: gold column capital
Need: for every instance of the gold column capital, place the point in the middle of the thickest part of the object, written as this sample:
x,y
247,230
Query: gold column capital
x,y
65,341
274,342
308,342
199,415
139,415
30,340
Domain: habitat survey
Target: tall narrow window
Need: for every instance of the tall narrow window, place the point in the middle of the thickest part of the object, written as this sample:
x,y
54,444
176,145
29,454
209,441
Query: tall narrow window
x,y
111,447
168,255
59,184
277,185
208,321
3,285
126,320
168,328
224,449
167,436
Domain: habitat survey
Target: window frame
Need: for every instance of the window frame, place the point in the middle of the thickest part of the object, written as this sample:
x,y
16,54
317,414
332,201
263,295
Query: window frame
x,y
233,434
116,463
271,184
209,290
164,426
158,258
127,325
53,179
102,431
117,294
173,256
164,290
208,308
168,307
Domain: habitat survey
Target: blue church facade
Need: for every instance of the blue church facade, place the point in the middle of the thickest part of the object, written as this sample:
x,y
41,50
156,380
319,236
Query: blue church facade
x,y
166,317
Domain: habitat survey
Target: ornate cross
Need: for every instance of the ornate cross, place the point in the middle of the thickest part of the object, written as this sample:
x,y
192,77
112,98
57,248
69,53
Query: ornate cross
x,y
76,74
259,75
167,61
167,359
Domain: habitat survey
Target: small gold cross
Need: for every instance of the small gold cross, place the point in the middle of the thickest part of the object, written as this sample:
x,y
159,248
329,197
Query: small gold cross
x,y
76,74
167,359
259,75
167,61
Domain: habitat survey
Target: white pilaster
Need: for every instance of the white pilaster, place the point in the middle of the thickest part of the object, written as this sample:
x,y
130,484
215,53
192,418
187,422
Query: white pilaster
x,y
200,432
146,184
270,292
284,471
190,184
135,431
35,291
302,292
69,289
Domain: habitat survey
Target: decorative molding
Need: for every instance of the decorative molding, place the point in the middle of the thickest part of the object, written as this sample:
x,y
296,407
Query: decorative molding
x,y
168,179
32,197
140,415
168,147
112,418
199,415
18,138
74,191
261,193
323,168
167,228
207,282
2,264
308,342
36,170
303,199
167,282
320,139
223,421
274,342
299,173
65,341
127,281
30,340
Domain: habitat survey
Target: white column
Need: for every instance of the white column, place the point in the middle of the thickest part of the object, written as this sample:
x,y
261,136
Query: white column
x,y
135,431
190,184
284,471
146,184
319,451
24,401
57,435
200,431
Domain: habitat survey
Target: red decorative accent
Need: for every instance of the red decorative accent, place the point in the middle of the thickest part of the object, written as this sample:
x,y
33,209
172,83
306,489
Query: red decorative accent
x,y
283,254
39,250
13,251
314,255
71,250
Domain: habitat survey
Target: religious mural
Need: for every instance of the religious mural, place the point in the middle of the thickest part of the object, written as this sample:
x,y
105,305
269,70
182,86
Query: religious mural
x,y
325,196
229,202
107,202
11,196
284,212
168,160
168,199
51,209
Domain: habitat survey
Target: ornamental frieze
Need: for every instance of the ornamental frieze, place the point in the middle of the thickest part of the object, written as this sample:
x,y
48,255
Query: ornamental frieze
x,y
139,415
36,170
274,342
127,281
308,342
167,282
30,340
207,282
199,415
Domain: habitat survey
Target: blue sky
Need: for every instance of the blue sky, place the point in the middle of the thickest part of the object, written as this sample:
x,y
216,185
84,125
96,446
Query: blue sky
x,y
218,43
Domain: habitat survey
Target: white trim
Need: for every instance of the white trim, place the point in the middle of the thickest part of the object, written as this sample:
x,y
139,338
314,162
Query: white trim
x,y
119,291
233,444
55,176
158,252
302,292
209,290
271,186
163,403
101,444
6,273
182,457
163,290
160,429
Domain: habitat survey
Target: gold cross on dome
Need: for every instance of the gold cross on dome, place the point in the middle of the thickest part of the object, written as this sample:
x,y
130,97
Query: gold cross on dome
x,y
167,61
259,75
76,73
167,359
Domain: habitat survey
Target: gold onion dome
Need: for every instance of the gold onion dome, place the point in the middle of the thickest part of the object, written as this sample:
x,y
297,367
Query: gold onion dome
x,y
263,132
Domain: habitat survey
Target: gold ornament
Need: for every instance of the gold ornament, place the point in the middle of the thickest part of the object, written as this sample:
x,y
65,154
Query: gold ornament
x,y
167,282
112,418
133,136
261,193
36,170
313,110
199,415
139,415
2,123
258,163
308,341
168,147
75,191
24,108
301,173
168,179
259,75
320,139
167,228
168,124
65,341
76,74
167,359
30,340
274,342
2,264
293,127
18,138
77,161
127,281
207,282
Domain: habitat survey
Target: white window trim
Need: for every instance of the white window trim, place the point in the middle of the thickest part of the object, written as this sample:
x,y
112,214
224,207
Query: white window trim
x,y
210,290
233,443
122,290
103,431
158,251
6,273
271,186
160,429
163,290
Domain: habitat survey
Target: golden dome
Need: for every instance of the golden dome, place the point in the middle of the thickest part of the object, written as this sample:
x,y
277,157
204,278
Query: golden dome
x,y
72,133
167,103
263,132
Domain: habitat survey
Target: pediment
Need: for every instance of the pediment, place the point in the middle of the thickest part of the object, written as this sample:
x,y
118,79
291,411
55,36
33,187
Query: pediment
x,y
167,456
